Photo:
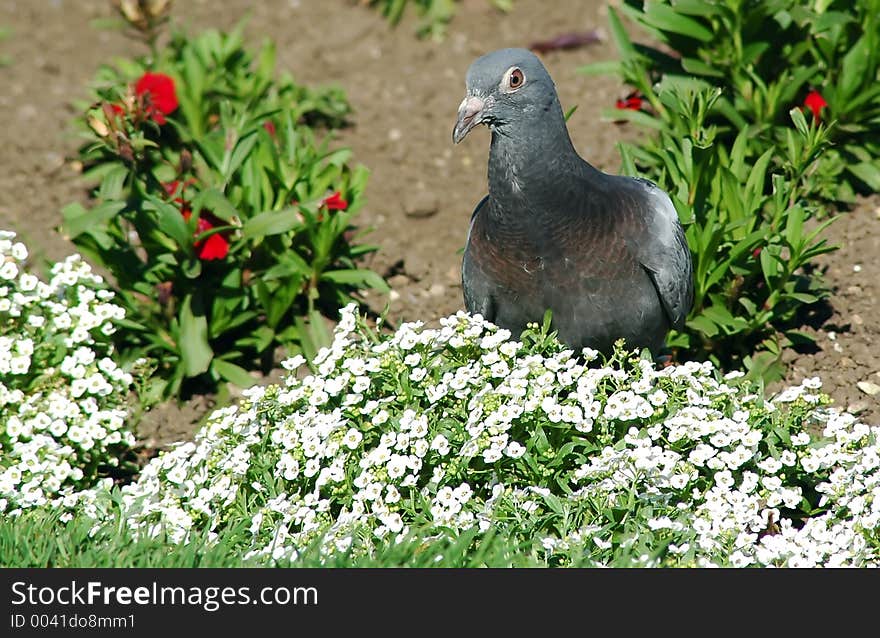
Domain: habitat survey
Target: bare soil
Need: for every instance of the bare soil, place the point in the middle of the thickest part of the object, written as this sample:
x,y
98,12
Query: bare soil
x,y
422,189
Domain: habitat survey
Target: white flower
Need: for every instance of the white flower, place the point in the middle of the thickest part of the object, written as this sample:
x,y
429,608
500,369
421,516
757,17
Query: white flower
x,y
293,363
396,466
20,364
318,398
352,439
176,474
440,444
514,450
27,282
770,465
18,251
412,360
800,439
312,467
8,271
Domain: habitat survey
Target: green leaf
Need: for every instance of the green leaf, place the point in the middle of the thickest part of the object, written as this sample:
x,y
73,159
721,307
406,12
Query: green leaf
x,y
355,277
769,266
698,67
753,51
765,365
239,154
665,18
794,224
78,219
262,338
171,222
748,304
112,183
266,65
802,297
192,267
216,202
854,68
697,7
290,265
800,122
539,439
271,222
704,325
618,33
720,315
756,179
233,373
312,332
867,172
195,351
798,337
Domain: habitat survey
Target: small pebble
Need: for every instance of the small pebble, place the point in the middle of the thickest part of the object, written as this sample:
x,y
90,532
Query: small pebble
x,y
869,388
858,406
420,203
398,281
857,268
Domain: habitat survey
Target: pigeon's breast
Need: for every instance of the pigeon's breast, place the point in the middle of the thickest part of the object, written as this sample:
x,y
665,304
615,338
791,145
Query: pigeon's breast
x,y
568,267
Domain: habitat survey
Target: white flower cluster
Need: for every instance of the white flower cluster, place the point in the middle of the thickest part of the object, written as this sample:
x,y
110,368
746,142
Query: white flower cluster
x,y
459,427
62,415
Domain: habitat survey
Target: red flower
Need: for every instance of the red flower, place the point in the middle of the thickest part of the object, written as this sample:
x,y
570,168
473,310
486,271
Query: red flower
x,y
335,202
214,247
633,102
158,90
269,125
815,102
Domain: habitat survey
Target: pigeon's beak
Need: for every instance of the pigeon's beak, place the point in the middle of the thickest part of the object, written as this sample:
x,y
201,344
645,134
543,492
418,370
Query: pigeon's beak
x,y
470,113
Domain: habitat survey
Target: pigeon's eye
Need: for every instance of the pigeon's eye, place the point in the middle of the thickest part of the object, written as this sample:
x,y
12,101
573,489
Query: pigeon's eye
x,y
515,79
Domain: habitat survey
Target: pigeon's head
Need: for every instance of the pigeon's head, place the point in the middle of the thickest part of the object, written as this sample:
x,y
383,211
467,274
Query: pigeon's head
x,y
505,86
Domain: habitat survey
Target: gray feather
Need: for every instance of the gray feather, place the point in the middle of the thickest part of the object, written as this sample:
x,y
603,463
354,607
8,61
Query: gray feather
x,y
606,254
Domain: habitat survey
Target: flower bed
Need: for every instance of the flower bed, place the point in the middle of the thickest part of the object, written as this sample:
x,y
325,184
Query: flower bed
x,y
443,430
62,397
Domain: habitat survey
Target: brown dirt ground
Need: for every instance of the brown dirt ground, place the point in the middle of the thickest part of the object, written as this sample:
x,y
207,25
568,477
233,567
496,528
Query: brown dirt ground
x,y
422,189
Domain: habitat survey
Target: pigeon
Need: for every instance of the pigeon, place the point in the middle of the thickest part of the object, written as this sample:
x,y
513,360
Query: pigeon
x,y
606,254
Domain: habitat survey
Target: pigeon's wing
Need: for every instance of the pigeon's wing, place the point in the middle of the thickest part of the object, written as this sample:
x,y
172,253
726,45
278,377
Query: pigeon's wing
x,y
663,252
478,207
477,289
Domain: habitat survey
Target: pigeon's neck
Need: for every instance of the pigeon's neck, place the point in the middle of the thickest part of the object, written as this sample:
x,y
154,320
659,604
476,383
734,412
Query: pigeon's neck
x,y
531,160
